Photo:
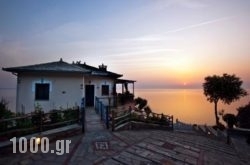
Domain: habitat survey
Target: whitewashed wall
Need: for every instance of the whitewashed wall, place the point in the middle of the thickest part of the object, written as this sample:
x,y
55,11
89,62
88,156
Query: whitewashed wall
x,y
98,82
66,90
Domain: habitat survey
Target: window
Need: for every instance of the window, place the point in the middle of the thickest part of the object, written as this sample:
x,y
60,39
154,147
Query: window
x,y
42,91
105,90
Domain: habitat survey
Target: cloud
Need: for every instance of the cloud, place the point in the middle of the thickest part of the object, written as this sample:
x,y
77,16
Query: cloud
x,y
192,4
67,32
165,4
199,24
142,52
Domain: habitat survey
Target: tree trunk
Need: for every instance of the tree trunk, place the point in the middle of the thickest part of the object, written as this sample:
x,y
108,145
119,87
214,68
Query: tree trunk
x,y
216,113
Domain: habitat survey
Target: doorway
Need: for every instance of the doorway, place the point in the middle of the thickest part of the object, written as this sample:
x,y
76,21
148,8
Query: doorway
x,y
89,95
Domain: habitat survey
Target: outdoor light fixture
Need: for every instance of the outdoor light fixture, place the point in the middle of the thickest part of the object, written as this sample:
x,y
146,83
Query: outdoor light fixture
x,y
38,140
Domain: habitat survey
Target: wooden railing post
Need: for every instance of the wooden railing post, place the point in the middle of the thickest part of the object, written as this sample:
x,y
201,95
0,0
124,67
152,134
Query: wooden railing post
x,y
113,120
172,122
101,111
107,113
100,107
78,115
130,118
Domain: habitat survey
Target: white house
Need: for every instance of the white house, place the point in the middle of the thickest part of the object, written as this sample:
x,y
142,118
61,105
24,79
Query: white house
x,y
56,85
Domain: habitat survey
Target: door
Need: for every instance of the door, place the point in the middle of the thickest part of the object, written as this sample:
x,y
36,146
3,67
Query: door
x,y
89,95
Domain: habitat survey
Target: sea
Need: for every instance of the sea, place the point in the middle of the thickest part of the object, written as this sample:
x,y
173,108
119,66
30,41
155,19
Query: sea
x,y
187,105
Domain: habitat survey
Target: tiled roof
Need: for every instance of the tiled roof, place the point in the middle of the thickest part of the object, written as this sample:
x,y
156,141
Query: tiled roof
x,y
59,66
99,71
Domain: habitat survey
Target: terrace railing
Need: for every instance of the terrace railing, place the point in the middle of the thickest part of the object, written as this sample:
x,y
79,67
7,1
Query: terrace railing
x,y
130,120
103,109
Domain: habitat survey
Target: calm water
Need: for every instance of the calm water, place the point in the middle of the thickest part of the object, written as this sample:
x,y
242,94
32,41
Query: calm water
x,y
188,105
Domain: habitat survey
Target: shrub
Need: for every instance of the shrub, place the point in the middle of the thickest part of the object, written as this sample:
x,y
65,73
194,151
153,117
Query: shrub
x,y
148,110
70,114
220,126
38,116
243,116
55,116
142,102
230,119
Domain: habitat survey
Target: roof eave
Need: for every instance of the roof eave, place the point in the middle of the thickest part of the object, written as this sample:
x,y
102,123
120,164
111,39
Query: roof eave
x,y
13,70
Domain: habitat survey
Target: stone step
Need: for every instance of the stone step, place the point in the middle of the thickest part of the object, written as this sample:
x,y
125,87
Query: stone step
x,y
147,154
124,138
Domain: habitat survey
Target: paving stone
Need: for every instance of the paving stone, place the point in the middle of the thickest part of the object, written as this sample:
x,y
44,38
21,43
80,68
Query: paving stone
x,y
111,162
147,154
25,162
131,159
137,147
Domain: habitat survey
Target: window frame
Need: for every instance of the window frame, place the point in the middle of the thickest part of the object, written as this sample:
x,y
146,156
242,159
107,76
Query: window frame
x,y
42,91
105,92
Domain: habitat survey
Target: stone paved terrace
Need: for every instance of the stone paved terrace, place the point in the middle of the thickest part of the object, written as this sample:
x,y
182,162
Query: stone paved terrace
x,y
101,146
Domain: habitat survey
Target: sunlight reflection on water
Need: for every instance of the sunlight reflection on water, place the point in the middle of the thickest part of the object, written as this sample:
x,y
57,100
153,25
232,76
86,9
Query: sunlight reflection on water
x,y
188,105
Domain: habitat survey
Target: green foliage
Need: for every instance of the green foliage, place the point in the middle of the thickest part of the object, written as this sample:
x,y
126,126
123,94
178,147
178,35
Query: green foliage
x,y
55,116
148,110
230,119
141,102
23,123
70,114
38,116
226,88
243,116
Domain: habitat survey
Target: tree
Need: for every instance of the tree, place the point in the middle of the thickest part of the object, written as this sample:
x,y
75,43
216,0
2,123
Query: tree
x,y
226,88
243,116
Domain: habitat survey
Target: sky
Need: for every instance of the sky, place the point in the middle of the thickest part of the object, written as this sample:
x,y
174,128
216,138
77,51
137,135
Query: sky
x,y
158,43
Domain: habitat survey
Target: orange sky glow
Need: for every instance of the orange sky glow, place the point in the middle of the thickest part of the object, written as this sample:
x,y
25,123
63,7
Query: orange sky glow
x,y
160,44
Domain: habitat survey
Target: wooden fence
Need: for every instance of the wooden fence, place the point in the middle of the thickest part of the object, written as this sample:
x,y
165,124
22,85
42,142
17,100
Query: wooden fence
x,y
135,120
38,121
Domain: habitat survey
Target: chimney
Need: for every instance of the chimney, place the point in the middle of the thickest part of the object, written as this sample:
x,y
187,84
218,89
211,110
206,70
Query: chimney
x,y
103,67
